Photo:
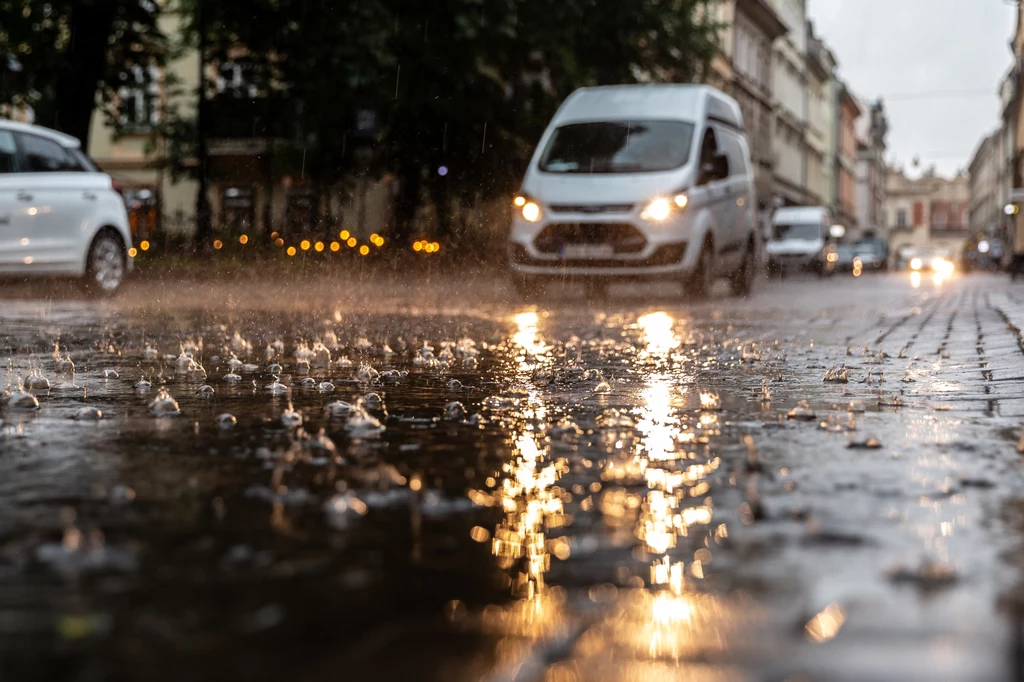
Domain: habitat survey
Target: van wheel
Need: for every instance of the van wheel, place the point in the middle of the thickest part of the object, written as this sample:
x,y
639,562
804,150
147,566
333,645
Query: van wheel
x,y
105,265
701,281
528,288
742,281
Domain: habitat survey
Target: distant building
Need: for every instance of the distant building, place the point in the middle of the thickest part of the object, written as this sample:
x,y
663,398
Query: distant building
x,y
848,110
789,70
986,185
820,68
871,129
929,212
746,43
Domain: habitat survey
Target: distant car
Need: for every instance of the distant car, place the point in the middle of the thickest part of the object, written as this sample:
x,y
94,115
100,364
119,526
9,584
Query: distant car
x,y
845,257
873,254
800,241
648,181
59,215
933,262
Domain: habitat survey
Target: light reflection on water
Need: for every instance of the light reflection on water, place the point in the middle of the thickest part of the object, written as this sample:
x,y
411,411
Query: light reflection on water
x,y
655,487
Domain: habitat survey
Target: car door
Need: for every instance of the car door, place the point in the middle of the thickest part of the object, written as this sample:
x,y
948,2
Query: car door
x,y
710,190
52,201
740,184
13,229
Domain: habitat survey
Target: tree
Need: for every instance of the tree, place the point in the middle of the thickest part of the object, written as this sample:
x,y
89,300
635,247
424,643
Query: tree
x,y
60,57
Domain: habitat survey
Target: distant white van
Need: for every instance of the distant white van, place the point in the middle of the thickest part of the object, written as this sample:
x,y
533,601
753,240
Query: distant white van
x,y
639,181
799,241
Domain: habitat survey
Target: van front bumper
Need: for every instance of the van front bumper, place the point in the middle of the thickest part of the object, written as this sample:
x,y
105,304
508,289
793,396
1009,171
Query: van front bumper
x,y
601,246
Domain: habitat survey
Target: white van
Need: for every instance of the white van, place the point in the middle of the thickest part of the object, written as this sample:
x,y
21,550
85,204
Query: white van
x,y
59,215
799,241
639,181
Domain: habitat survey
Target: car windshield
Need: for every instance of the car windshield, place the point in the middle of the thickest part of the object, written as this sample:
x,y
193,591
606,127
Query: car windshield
x,y
618,147
845,252
797,231
870,248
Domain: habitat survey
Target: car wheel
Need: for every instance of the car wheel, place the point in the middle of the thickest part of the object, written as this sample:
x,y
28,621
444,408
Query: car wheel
x,y
742,281
106,264
701,280
528,288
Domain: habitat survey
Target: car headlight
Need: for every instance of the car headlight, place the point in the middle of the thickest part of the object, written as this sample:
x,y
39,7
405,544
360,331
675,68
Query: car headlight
x,y
661,208
529,208
832,256
915,263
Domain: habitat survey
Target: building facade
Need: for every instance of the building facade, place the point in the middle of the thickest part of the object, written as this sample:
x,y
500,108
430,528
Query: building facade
x,y
848,110
986,185
871,129
790,94
755,28
820,66
928,213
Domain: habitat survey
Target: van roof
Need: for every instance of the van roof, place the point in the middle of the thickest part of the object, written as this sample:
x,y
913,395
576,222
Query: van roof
x,y
60,138
650,101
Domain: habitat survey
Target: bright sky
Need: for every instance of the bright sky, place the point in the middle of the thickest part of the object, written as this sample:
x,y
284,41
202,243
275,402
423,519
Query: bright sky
x,y
915,53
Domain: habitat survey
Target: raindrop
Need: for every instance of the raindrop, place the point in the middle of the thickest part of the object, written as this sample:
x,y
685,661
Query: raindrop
x,y
366,374
839,375
276,388
184,362
291,419
143,385
196,373
37,382
307,382
231,377
469,363
88,413
110,374
709,400
864,442
226,421
454,384
206,390
249,368
21,400
325,387
274,368
454,411
337,409
373,401
150,354
363,425
603,388
163,405
802,412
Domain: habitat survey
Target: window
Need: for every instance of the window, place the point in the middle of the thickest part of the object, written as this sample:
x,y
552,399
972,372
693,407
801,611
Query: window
x,y
234,79
732,146
940,221
901,217
918,214
8,152
43,155
618,147
140,99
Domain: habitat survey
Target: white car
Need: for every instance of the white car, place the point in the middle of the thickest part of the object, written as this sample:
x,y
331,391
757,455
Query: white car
x,y
650,181
59,215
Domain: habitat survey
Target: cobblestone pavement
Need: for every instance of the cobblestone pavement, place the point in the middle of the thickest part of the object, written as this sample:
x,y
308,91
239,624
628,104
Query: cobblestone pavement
x,y
820,482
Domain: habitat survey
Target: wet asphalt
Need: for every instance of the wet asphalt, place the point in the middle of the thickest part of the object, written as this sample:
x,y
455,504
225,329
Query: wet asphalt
x,y
345,477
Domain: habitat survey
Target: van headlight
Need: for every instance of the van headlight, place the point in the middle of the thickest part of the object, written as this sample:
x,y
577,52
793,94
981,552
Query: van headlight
x,y
915,263
661,208
529,208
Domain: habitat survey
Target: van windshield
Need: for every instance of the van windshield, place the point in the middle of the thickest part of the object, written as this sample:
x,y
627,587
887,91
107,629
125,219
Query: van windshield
x,y
618,147
797,231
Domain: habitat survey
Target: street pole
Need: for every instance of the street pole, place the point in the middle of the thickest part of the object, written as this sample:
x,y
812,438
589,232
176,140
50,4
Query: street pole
x,y
203,226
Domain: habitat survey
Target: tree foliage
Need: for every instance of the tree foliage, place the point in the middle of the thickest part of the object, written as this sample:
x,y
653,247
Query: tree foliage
x,y
60,57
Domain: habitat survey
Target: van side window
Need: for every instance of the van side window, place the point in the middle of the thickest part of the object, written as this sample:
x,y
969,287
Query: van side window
x,y
708,153
732,147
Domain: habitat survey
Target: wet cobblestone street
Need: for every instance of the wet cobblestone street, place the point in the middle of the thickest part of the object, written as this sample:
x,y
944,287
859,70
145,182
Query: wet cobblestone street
x,y
820,482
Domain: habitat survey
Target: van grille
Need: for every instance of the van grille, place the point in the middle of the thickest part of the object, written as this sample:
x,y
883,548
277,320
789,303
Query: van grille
x,y
590,208
622,236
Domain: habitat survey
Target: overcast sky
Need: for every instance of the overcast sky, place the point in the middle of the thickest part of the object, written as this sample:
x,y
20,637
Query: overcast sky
x,y
901,48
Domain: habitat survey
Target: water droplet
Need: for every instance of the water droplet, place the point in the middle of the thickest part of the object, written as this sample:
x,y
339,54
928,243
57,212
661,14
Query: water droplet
x,y
325,387
163,405
454,411
110,374
338,409
88,413
226,421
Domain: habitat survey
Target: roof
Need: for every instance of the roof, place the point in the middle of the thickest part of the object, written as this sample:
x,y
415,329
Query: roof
x,y
645,101
60,138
